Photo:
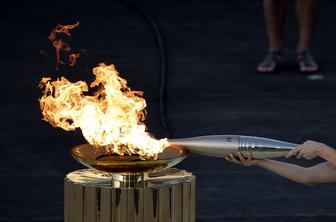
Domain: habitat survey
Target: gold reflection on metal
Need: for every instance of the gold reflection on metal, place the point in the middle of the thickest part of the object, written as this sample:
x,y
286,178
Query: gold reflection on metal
x,y
166,196
100,159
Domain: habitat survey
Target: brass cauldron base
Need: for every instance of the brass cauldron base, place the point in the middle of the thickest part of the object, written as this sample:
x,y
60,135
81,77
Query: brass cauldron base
x,y
95,196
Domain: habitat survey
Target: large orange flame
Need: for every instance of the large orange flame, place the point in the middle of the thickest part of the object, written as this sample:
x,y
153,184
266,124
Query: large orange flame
x,y
112,117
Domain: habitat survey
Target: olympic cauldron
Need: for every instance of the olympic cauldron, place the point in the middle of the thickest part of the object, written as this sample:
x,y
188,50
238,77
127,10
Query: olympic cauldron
x,y
127,188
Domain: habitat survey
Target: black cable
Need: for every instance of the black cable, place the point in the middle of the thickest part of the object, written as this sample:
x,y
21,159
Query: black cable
x,y
163,61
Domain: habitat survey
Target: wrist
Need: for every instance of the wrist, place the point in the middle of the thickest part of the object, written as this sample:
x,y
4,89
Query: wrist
x,y
323,151
259,162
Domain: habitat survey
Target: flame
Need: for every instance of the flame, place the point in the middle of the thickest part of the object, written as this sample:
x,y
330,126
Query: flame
x,y
73,58
59,43
113,117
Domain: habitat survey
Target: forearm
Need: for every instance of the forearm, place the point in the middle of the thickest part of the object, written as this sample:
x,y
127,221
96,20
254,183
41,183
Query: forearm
x,y
329,154
287,170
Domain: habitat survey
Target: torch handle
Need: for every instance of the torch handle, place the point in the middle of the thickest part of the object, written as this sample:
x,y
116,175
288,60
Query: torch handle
x,y
222,145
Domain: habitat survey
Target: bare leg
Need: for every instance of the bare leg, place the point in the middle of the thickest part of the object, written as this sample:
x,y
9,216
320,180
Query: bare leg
x,y
306,12
275,14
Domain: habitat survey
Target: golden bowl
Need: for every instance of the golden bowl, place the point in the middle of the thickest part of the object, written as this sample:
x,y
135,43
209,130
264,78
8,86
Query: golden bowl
x,y
100,159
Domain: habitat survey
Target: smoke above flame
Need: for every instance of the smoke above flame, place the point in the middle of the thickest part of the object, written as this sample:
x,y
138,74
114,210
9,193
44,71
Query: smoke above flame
x,y
113,117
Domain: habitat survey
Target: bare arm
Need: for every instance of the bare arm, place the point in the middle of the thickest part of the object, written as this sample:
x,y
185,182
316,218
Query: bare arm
x,y
321,173
329,154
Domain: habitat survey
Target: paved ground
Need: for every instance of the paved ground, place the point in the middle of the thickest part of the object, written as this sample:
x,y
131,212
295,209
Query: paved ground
x,y
212,88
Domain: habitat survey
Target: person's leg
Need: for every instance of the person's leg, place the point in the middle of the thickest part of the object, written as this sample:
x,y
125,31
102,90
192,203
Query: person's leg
x,y
275,14
306,13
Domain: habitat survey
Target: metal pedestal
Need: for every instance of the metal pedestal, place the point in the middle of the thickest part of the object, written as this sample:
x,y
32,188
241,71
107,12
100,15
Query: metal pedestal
x,y
166,196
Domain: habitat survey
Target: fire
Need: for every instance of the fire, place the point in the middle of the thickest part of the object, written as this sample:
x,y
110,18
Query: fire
x,y
113,117
60,44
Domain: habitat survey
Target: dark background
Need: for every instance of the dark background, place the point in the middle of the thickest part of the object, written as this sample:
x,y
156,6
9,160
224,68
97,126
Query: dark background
x,y
212,48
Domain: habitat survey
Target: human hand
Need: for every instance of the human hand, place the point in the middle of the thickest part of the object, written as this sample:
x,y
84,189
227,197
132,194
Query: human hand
x,y
240,160
308,150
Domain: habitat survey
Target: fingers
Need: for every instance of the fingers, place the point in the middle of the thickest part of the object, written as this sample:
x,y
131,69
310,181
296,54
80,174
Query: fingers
x,y
229,158
300,154
245,162
249,156
242,159
308,150
291,153
294,151
233,159
308,156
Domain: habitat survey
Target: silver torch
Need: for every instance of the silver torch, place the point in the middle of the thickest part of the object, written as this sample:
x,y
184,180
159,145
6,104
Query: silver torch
x,y
222,145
